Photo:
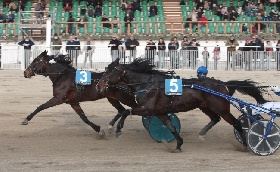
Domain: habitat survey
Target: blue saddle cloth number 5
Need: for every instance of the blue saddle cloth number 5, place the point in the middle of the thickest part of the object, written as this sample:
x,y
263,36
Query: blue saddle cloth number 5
x,y
173,87
83,77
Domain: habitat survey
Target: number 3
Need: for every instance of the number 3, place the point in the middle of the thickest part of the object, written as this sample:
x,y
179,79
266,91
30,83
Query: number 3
x,y
173,83
84,78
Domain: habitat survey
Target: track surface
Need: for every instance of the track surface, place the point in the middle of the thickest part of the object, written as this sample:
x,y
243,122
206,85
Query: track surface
x,y
58,140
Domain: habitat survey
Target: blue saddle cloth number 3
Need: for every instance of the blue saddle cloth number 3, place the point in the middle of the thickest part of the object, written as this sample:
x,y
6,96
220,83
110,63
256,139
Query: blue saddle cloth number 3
x,y
173,87
83,77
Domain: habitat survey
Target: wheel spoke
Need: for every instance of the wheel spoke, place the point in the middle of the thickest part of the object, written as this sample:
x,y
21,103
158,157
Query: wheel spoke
x,y
275,134
270,148
258,144
256,134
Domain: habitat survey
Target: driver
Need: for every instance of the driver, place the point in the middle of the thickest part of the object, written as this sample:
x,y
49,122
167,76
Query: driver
x,y
202,72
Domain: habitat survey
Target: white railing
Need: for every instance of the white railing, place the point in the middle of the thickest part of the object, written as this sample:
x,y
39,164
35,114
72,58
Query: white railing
x,y
15,57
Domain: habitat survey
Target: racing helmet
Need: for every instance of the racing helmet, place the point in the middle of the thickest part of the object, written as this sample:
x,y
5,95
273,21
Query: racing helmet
x,y
202,72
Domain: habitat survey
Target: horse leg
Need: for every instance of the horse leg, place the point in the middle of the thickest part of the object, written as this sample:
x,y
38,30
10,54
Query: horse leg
x,y
166,120
120,109
228,117
214,120
82,115
52,102
121,122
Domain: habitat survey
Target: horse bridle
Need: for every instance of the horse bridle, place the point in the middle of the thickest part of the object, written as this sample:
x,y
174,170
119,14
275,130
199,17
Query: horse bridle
x,y
107,78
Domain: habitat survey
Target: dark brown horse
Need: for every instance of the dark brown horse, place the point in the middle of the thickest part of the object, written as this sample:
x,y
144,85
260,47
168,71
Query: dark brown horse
x,y
149,85
65,89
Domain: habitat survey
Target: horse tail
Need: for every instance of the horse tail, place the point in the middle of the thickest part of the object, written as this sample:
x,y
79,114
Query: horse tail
x,y
246,87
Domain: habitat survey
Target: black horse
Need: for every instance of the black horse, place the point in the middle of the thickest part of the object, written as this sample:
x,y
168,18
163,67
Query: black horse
x,y
65,90
149,85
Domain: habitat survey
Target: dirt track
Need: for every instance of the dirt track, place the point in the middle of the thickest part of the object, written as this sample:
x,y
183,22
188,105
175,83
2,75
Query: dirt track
x,y
58,140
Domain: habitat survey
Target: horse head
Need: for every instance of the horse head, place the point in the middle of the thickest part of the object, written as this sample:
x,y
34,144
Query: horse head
x,y
112,76
38,65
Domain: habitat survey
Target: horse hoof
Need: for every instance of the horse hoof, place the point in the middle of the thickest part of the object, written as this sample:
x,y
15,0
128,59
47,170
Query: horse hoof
x,y
202,137
177,151
118,134
101,134
24,122
111,129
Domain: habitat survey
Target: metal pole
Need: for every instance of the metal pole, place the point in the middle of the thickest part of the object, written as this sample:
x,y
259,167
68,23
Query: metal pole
x,y
48,35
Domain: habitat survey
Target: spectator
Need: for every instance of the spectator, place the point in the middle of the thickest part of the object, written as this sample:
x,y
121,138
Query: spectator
x,y
193,53
230,8
199,13
259,25
278,5
255,10
67,7
246,45
193,17
199,3
2,17
172,48
187,24
89,50
116,22
244,29
98,2
83,10
150,51
39,8
161,52
269,53
114,44
182,2
81,22
73,49
90,3
12,6
21,6
231,43
248,10
233,15
10,17
183,52
97,11
272,2
70,25
278,55
130,14
260,8
131,44
90,12
239,10
105,21
218,11
216,56
128,19
203,21
124,5
226,17
153,10
122,49
56,44
272,13
224,12
278,25
67,1
135,6
176,42
206,5
205,55
27,44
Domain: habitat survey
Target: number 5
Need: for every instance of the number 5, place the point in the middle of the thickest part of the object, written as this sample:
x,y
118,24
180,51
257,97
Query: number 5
x,y
84,78
173,83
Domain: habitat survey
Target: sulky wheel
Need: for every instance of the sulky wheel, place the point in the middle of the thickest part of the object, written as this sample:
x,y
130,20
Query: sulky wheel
x,y
256,141
159,132
145,121
245,123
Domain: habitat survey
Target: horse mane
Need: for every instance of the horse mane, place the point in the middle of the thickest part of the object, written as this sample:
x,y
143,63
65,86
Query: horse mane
x,y
144,65
63,60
